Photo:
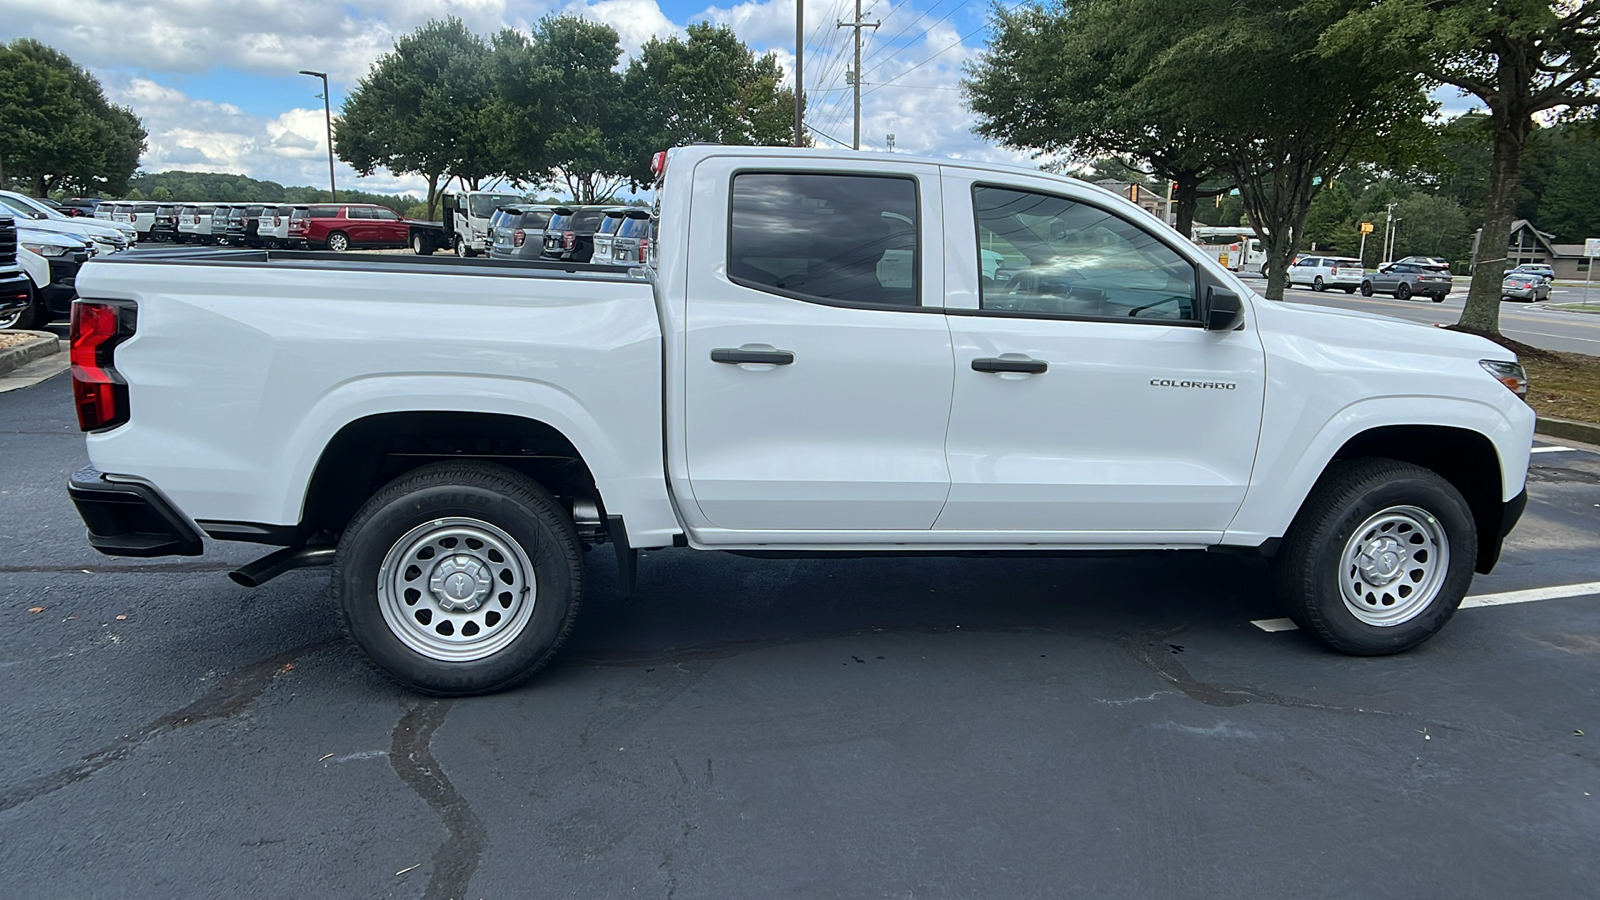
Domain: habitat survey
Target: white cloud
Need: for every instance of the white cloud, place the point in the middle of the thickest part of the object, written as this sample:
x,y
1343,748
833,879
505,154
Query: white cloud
x,y
912,66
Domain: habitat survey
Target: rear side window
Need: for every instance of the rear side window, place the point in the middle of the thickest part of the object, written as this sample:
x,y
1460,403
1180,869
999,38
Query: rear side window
x,y
536,219
356,212
849,239
324,213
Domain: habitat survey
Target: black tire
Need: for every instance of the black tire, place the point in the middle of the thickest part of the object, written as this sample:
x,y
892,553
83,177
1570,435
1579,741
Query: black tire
x,y
1366,289
30,317
1403,292
462,250
421,246
338,241
1350,290
470,491
1308,571
1438,298
1317,285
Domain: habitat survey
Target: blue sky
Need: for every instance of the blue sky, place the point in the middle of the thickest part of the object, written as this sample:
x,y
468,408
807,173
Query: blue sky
x,y
215,80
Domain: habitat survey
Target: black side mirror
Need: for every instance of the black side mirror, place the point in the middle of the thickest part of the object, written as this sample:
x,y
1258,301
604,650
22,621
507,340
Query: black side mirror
x,y
1224,310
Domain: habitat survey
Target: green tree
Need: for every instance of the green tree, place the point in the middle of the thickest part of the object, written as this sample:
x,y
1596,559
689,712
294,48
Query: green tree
x,y
57,130
561,106
1570,204
426,108
1331,221
1067,77
709,87
1520,57
1431,225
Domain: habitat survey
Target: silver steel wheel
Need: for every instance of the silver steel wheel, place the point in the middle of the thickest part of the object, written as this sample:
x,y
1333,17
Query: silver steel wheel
x,y
1394,566
10,319
338,243
456,589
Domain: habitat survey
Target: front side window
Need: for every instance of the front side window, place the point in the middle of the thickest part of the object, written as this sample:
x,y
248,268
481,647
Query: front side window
x,y
845,238
387,215
1047,255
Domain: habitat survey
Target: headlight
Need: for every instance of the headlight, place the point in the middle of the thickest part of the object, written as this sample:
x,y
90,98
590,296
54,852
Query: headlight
x,y
1509,374
46,249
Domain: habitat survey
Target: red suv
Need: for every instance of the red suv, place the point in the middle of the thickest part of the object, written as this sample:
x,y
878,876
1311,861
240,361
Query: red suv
x,y
339,227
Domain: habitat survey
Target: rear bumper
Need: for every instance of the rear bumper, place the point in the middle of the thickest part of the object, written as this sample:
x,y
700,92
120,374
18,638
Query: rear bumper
x,y
130,519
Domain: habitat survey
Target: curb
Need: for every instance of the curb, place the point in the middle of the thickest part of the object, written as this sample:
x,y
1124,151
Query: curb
x,y
19,356
1570,429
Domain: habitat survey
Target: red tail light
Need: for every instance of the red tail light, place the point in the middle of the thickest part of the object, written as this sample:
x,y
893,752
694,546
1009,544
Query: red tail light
x,y
568,240
98,392
658,164
644,249
517,237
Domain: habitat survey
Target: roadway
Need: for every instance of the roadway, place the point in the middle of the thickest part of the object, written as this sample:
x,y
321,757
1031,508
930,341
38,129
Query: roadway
x,y
1537,324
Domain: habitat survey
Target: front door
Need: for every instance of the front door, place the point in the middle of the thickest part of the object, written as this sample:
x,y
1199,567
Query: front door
x,y
817,383
1088,397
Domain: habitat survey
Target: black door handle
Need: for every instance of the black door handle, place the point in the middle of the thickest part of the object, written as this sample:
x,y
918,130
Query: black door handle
x,y
734,356
1025,366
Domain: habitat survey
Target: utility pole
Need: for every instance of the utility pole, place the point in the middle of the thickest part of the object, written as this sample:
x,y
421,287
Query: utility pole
x,y
799,72
855,75
1388,223
327,115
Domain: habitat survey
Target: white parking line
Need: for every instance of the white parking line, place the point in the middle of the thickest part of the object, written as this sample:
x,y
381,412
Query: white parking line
x,y
1505,598
1552,449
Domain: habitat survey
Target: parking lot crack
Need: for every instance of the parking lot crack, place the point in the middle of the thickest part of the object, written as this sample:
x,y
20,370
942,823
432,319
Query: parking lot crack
x,y
226,698
456,859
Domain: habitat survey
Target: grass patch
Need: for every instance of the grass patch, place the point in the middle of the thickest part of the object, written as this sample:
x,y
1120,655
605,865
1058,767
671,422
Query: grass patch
x,y
1564,385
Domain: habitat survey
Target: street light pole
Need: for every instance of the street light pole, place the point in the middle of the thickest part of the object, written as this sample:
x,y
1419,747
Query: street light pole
x,y
327,115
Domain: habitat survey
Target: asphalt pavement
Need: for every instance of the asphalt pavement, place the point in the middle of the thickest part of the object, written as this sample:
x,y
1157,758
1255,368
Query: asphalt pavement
x,y
923,728
1538,324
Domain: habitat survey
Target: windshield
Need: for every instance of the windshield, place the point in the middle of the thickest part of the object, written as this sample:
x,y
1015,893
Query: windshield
x,y
483,205
21,205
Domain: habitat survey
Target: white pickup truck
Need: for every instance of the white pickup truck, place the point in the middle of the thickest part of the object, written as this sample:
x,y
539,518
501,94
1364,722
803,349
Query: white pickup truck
x,y
819,362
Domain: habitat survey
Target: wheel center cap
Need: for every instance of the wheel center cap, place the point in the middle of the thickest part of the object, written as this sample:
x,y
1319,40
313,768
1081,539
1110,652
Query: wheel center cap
x,y
1382,561
460,583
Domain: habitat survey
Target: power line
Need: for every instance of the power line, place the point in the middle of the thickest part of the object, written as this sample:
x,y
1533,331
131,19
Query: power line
x,y
959,42
957,8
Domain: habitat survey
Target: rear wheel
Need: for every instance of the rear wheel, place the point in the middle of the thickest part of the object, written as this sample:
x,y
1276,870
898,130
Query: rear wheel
x,y
1403,292
1379,557
1438,298
338,242
459,578
1350,290
420,245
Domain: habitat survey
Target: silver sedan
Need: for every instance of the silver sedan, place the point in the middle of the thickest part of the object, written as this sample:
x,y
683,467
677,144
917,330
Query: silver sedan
x,y
1528,287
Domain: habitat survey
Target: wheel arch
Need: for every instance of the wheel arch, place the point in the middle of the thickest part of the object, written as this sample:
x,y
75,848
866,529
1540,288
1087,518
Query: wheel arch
x,y
1462,456
369,452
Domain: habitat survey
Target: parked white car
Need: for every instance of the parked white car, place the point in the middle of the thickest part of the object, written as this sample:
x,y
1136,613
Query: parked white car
x,y
194,223
816,364
142,216
107,237
272,228
1322,273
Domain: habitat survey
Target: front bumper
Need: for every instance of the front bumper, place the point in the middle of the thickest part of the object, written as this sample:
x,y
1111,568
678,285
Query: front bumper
x,y
130,519
1491,538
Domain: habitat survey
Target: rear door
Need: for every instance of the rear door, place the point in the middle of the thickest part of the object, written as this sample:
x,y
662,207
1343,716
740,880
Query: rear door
x,y
817,369
1089,402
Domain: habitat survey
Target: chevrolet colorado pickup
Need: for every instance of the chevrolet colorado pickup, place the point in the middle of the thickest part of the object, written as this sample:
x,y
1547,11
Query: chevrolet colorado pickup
x,y
820,361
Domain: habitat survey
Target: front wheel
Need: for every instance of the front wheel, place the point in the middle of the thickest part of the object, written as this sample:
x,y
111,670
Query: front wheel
x,y
1378,559
1317,285
29,317
338,242
462,250
1366,289
459,578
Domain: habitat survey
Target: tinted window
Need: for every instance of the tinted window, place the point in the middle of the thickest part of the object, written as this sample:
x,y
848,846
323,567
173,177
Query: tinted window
x,y
632,228
357,212
558,222
609,225
1059,257
585,221
851,238
387,214
324,213
536,219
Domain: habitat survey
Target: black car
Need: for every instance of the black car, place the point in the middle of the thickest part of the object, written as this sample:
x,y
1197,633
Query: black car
x,y
165,227
79,206
242,224
16,289
570,235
